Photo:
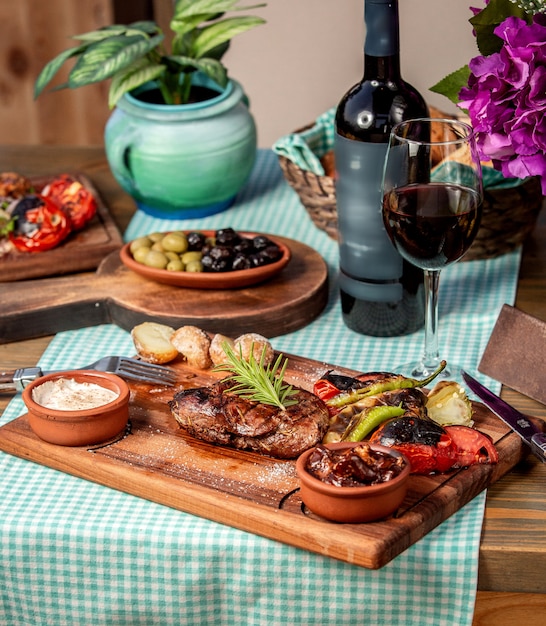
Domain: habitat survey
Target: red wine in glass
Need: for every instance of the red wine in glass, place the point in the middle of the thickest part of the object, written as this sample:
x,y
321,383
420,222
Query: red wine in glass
x,y
432,225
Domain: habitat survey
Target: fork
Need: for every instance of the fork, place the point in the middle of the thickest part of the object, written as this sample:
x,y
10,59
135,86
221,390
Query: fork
x,y
125,367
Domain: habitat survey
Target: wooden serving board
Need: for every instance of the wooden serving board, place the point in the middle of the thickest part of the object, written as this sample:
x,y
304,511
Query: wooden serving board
x,y
81,251
157,461
115,294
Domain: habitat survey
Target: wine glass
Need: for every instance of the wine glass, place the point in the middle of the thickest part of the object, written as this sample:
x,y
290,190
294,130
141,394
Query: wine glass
x,y
432,198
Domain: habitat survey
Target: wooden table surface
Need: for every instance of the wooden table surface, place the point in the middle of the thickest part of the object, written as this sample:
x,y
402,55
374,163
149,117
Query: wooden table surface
x,y
512,564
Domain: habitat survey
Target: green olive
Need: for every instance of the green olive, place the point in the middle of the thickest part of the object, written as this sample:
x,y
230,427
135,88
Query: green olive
x,y
175,242
194,255
175,266
194,266
157,245
140,253
140,242
156,259
156,237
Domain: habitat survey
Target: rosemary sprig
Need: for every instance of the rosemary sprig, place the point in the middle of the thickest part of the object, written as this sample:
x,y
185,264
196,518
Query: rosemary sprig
x,y
258,382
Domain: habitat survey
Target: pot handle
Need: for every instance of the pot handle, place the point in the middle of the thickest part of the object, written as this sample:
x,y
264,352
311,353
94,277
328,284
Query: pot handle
x,y
119,158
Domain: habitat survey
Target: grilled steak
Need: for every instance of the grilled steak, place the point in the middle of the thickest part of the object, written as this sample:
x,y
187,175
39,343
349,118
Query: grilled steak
x,y
214,415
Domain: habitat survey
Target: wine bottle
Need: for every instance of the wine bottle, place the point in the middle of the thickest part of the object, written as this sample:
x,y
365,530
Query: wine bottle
x,y
381,294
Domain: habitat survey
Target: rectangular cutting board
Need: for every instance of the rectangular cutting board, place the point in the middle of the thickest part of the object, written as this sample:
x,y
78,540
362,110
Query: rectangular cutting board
x,y
157,461
81,251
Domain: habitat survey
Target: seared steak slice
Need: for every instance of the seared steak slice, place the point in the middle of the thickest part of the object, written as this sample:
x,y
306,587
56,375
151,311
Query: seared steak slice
x,y
214,415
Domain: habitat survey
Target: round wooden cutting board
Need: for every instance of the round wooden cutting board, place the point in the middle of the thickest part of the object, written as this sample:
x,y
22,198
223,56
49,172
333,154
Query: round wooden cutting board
x,y
115,294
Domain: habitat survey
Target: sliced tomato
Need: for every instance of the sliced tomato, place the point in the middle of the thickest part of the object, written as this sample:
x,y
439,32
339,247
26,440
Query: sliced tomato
x,y
40,224
73,197
472,446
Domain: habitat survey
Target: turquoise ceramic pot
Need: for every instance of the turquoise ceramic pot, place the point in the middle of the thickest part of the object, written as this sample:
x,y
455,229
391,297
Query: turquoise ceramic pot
x,y
182,161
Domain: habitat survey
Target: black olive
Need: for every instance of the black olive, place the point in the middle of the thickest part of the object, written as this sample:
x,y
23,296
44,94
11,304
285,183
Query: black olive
x,y
206,262
195,241
261,241
256,260
221,253
221,265
241,262
227,237
271,253
244,245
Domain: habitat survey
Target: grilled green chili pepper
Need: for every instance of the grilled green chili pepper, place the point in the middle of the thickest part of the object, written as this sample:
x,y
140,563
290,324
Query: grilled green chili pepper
x,y
369,420
388,383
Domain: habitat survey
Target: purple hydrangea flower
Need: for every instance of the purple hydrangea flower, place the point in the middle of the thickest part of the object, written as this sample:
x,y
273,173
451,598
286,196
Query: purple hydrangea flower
x,y
506,100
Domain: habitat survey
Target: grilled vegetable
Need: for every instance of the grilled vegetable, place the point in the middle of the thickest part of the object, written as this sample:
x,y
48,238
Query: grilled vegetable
x,y
369,420
431,448
40,224
387,383
73,197
448,404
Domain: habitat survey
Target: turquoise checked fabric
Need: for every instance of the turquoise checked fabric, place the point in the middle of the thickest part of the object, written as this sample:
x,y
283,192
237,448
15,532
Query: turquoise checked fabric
x,y
74,553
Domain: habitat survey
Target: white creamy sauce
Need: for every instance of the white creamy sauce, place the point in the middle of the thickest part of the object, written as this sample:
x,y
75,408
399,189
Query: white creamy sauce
x,y
65,394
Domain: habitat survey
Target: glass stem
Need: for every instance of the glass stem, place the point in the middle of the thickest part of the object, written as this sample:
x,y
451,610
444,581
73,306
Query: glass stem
x,y
431,358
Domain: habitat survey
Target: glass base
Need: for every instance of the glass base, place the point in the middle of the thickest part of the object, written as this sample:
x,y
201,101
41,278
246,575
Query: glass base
x,y
421,371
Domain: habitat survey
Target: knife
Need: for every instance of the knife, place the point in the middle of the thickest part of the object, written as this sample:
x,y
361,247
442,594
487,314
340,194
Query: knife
x,y
518,422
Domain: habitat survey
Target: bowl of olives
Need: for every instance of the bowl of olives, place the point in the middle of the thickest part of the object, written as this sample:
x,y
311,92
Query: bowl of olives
x,y
206,259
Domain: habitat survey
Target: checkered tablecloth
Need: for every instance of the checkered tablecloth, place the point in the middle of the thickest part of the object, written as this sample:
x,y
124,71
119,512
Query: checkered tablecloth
x,y
75,553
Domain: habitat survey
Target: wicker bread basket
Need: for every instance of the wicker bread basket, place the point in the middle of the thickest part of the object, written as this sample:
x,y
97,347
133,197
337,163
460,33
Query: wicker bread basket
x,y
509,214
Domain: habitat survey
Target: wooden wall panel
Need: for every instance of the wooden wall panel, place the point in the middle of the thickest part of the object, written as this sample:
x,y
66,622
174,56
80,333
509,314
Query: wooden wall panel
x,y
31,33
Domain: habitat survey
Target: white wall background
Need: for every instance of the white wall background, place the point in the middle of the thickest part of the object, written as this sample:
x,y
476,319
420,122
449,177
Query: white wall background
x,y
311,51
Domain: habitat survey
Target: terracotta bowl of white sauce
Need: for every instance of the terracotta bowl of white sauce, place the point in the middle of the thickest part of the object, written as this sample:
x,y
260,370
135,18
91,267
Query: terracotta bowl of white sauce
x,y
77,408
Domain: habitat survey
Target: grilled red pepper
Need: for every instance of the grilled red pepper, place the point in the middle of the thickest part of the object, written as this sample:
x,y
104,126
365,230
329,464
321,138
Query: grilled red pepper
x,y
472,446
73,197
40,224
331,385
432,448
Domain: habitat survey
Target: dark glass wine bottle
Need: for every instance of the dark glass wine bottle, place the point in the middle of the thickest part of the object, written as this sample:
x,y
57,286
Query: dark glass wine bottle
x,y
381,294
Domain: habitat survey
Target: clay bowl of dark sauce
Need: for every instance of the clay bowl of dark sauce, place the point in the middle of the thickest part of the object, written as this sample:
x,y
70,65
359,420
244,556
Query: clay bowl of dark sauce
x,y
342,483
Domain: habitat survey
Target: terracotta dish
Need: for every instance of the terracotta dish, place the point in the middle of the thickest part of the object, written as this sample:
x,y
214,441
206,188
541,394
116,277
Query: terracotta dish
x,y
352,504
79,427
210,280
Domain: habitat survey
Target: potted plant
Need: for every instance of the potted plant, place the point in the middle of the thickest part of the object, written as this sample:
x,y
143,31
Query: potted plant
x,y
181,139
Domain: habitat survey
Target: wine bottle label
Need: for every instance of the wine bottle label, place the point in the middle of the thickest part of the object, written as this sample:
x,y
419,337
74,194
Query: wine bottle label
x,y
370,266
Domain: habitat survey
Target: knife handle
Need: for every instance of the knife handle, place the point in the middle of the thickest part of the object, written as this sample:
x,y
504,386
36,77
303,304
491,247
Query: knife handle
x,y
538,446
7,384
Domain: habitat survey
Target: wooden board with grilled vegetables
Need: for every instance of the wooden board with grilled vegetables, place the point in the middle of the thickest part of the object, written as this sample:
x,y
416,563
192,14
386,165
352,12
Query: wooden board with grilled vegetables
x,y
158,460
82,248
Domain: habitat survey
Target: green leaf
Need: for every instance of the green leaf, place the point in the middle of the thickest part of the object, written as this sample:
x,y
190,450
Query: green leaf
x,y
132,77
104,58
147,27
53,66
451,85
211,67
488,19
215,34
188,14
189,8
